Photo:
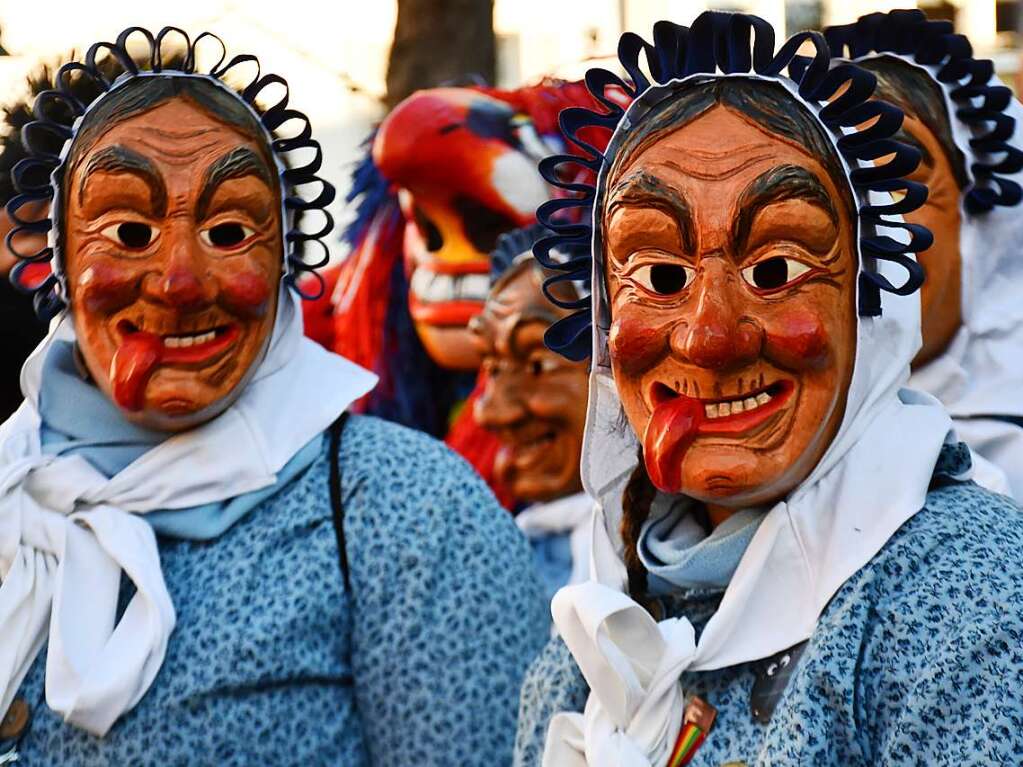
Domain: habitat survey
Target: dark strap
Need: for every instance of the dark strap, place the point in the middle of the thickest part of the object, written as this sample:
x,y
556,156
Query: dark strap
x,y
335,494
1013,419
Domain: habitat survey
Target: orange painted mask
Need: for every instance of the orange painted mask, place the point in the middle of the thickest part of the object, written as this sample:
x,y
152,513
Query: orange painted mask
x,y
465,166
942,170
172,251
731,267
533,399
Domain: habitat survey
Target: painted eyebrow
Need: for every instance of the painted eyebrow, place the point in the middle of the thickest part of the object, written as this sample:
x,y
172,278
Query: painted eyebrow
x,y
120,159
237,163
527,318
784,182
642,188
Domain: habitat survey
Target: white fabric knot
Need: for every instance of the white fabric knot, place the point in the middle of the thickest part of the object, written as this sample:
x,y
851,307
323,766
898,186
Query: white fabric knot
x,y
65,545
632,664
67,532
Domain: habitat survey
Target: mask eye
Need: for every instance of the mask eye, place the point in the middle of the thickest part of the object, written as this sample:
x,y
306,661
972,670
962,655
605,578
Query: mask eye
x,y
491,367
132,235
529,140
664,279
774,273
540,364
428,230
226,235
482,225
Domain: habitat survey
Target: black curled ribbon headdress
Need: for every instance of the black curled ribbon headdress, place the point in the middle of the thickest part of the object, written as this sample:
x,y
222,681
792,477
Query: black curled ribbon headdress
x,y
58,114
839,94
968,81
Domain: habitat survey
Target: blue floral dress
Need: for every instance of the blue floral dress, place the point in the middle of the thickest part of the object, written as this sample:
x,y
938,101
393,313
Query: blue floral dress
x,y
917,660
275,662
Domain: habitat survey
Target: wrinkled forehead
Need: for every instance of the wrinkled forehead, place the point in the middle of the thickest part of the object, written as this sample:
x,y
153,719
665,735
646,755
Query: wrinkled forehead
x,y
515,300
716,156
175,138
715,143
753,118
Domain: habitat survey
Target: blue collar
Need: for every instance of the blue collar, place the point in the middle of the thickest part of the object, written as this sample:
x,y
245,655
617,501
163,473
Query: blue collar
x,y
78,419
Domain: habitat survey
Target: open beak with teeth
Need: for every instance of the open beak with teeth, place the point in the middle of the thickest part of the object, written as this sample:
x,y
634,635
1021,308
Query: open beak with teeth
x,y
448,296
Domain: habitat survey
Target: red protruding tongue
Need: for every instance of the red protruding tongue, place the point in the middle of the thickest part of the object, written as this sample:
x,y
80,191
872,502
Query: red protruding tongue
x,y
131,367
672,429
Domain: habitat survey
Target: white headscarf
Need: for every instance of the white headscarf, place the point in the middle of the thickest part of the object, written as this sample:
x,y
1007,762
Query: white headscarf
x,y
67,533
981,372
873,477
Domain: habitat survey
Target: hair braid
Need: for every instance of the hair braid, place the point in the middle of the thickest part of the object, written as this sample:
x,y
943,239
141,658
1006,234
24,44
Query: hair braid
x,y
636,500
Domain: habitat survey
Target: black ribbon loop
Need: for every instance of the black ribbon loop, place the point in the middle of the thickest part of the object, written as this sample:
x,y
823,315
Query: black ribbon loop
x,y
737,44
57,110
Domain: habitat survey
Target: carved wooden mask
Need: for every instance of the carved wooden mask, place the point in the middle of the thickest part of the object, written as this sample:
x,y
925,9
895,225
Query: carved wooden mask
x,y
731,267
534,399
173,253
927,127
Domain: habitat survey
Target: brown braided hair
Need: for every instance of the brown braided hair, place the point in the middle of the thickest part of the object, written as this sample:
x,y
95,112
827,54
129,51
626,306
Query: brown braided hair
x,y
636,501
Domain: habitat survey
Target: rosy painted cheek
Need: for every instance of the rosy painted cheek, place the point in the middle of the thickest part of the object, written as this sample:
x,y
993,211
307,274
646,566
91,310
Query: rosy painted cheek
x,y
247,293
103,288
636,344
798,340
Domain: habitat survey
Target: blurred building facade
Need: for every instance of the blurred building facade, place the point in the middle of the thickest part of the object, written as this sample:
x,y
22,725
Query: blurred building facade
x,y
531,43
334,54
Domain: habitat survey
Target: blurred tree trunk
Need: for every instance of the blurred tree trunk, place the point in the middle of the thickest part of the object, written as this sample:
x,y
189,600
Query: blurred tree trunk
x,y
439,40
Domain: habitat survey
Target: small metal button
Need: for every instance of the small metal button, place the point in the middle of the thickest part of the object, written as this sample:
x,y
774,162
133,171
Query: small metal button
x,y
16,720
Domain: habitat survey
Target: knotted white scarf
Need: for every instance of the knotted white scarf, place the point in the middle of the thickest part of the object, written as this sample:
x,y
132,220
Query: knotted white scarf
x,y
67,533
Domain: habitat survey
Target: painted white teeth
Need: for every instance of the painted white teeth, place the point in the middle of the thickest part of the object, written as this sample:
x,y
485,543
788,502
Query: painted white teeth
x,y
434,288
475,287
420,282
441,289
722,409
176,342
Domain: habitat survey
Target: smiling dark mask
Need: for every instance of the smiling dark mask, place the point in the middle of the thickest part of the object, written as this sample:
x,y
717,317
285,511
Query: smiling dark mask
x,y
533,399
